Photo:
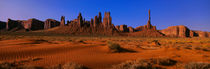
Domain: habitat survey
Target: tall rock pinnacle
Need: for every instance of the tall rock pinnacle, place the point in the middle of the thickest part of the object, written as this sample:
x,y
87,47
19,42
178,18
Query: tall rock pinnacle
x,y
80,19
107,20
99,17
62,21
149,26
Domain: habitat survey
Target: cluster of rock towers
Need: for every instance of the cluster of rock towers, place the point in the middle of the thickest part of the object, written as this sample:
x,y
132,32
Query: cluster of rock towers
x,y
97,25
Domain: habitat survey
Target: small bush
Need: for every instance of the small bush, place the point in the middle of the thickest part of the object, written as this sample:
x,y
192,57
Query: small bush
x,y
114,47
68,66
197,65
152,63
73,66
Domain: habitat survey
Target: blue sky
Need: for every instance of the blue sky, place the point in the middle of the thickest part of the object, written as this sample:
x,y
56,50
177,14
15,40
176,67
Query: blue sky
x,y
194,14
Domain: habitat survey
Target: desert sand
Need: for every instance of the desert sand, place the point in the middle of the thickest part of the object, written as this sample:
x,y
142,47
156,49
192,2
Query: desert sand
x,y
93,52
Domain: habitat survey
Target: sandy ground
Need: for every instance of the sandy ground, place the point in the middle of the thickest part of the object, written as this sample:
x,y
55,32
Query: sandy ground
x,y
94,54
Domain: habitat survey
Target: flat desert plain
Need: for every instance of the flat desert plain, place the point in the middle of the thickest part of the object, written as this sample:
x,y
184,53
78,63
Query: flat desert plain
x,y
94,52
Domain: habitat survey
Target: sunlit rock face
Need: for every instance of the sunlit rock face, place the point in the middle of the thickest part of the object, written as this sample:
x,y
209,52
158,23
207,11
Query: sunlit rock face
x,y
177,31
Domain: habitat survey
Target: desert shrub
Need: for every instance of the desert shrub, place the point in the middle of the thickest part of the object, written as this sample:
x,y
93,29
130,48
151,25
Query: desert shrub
x,y
73,66
68,66
155,42
135,65
38,41
13,65
206,49
163,61
197,65
188,47
152,63
114,47
197,48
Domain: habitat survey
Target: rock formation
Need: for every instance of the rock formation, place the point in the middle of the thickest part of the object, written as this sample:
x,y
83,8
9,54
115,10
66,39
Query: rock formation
x,y
27,25
131,29
94,27
62,21
177,31
183,31
146,27
2,25
50,23
201,34
107,20
123,28
13,25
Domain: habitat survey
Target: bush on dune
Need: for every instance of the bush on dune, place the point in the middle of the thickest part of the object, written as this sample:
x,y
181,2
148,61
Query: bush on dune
x,y
197,65
153,63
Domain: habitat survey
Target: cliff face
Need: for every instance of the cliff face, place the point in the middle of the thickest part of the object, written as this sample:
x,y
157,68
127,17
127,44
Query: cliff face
x,y
183,31
176,31
27,25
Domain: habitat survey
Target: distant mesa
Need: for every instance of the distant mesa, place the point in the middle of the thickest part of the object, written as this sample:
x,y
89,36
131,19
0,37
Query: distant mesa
x,y
97,26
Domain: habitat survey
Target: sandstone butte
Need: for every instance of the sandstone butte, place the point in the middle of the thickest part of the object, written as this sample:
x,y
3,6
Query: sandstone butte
x,y
97,26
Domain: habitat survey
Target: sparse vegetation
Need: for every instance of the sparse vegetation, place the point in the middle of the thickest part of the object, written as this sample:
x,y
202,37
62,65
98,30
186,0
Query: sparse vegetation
x,y
114,47
197,65
153,63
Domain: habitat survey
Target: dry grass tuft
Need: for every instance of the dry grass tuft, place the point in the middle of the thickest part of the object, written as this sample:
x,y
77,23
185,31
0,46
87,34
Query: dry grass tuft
x,y
153,63
197,65
69,66
115,47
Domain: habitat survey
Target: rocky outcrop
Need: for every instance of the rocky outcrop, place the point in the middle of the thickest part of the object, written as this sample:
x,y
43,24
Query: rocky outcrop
x,y
201,34
50,23
131,29
33,24
147,33
123,28
146,27
183,31
94,27
14,25
27,25
107,20
177,31
2,25
62,21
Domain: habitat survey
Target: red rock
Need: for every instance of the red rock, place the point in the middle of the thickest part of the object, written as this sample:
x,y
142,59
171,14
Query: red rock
x,y
80,19
95,22
13,24
202,33
2,25
50,23
146,27
31,24
62,21
130,29
93,27
107,20
117,27
176,31
123,28
99,17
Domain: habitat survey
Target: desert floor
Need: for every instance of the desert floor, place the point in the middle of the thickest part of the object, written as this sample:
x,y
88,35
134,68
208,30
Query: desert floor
x,y
93,52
